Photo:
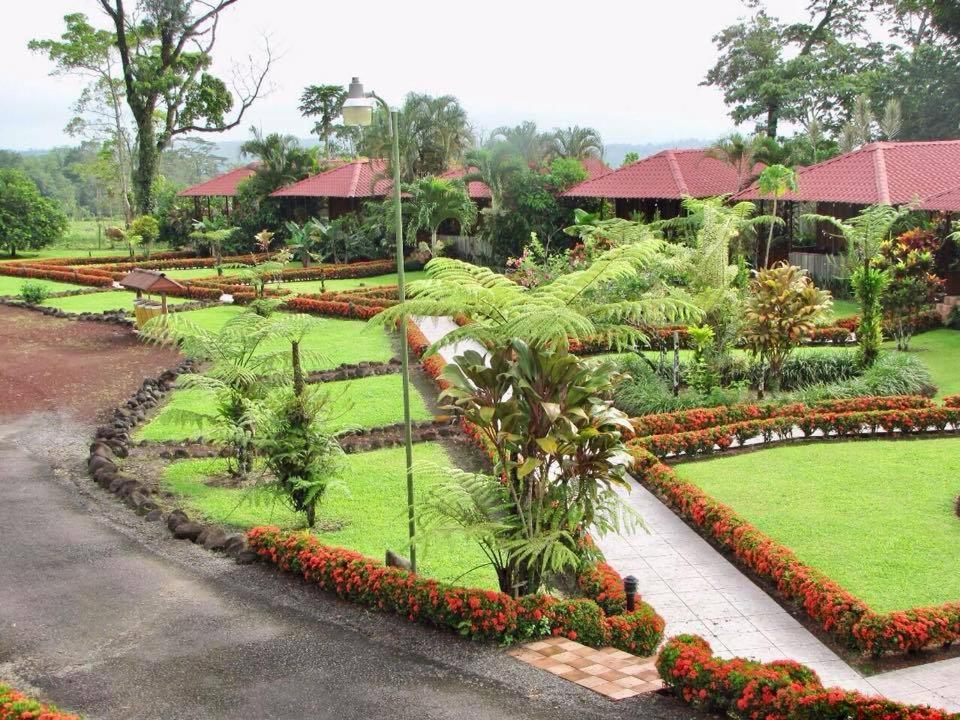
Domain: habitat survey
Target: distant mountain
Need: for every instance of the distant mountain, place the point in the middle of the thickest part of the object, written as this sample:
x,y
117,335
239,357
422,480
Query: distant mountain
x,y
614,153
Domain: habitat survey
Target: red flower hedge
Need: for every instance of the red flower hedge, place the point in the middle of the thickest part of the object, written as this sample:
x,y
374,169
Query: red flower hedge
x,y
331,308
475,613
781,690
14,705
847,617
952,401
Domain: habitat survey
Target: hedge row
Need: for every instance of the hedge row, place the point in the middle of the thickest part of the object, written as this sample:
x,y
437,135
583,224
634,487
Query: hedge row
x,y
14,705
475,613
332,308
781,690
808,422
952,401
699,418
70,276
837,611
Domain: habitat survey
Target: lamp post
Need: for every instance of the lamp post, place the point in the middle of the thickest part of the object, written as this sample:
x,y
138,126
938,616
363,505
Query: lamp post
x,y
358,110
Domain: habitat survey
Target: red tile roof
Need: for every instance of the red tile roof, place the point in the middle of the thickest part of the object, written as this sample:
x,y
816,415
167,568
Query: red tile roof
x,y
670,174
894,173
222,185
476,190
946,201
595,167
352,180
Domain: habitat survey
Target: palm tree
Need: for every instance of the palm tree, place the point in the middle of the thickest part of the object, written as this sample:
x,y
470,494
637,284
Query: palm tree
x,y
432,201
282,160
549,315
325,102
493,165
738,152
775,180
575,142
525,140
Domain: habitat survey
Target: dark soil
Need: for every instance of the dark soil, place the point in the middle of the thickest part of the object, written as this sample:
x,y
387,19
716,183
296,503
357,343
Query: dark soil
x,y
81,368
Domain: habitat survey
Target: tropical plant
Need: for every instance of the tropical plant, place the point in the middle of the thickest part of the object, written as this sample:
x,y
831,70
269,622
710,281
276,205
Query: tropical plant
x,y
549,315
243,365
493,166
630,158
431,201
864,235
27,218
525,140
737,151
776,181
575,142
309,241
558,457
148,229
282,161
260,274
206,235
301,455
782,310
914,286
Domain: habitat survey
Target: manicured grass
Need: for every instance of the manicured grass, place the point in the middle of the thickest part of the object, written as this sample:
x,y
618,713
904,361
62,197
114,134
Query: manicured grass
x,y
875,515
10,285
101,301
304,287
338,341
844,309
369,500
362,403
940,352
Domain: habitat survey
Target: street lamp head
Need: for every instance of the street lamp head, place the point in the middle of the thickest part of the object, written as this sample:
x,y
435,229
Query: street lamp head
x,y
357,108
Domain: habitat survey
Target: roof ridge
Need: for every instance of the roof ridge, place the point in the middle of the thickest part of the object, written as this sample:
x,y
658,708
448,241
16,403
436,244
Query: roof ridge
x,y
355,178
880,170
677,174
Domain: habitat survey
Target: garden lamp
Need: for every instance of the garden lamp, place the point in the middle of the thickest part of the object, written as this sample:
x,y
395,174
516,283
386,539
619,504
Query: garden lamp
x,y
358,110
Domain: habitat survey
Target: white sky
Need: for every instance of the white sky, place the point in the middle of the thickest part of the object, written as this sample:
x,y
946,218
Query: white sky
x,y
629,68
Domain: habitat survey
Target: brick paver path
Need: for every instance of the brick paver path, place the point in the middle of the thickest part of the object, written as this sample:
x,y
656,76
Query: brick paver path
x,y
697,590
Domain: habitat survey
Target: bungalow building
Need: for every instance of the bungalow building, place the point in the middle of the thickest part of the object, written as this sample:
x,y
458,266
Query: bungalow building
x,y
222,187
340,190
655,186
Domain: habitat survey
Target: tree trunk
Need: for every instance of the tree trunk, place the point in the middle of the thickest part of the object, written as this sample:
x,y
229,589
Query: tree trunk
x,y
146,170
766,256
772,120
298,382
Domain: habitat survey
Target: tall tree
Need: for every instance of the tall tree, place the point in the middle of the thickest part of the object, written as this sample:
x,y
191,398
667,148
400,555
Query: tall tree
x,y
776,181
493,165
87,51
434,200
525,140
165,49
27,219
282,159
324,102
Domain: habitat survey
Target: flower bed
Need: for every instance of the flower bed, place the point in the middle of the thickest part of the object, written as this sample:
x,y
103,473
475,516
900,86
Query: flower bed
x,y
782,690
475,613
14,705
837,611
952,401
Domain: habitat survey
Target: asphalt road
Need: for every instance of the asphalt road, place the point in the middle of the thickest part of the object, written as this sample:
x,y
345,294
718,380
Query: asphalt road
x,y
108,616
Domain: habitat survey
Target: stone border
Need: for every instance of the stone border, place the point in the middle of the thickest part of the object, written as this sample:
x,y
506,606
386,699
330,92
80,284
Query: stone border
x,y
113,441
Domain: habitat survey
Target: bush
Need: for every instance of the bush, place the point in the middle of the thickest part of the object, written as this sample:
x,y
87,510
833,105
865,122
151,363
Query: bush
x,y
14,705
953,319
33,292
645,392
740,688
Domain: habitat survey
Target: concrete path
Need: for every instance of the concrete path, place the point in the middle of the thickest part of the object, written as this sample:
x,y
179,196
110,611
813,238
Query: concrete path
x,y
109,616
697,590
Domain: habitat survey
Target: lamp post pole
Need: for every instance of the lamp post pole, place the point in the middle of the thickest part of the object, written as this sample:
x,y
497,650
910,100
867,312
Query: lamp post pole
x,y
358,110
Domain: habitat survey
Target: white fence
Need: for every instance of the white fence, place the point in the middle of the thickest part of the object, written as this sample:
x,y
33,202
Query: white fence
x,y
474,249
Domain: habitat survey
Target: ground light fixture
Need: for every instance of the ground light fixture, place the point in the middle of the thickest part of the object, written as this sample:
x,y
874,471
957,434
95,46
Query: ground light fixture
x,y
358,110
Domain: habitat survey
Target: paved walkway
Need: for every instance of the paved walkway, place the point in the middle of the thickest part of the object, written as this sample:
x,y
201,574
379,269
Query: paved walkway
x,y
697,590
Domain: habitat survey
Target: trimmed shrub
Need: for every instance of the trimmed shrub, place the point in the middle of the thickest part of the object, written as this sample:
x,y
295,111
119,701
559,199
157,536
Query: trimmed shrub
x,y
781,690
14,705
33,292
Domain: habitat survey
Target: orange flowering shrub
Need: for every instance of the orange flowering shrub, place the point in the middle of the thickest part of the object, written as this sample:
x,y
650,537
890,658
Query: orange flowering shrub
x,y
475,613
14,705
781,690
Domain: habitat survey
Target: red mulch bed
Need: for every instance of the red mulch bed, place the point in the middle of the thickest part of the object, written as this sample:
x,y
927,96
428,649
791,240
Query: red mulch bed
x,y
82,368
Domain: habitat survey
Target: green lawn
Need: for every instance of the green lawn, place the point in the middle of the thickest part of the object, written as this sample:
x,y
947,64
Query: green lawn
x,y
101,302
61,252
369,500
10,285
940,352
363,403
875,515
844,309
338,341
304,287
205,272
